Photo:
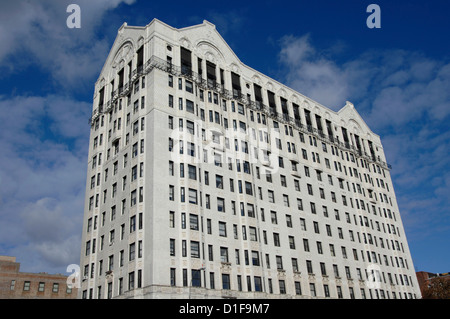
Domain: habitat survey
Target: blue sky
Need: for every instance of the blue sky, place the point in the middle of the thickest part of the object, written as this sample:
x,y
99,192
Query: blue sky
x,y
398,78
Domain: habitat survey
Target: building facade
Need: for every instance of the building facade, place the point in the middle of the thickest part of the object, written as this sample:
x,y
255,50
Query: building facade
x,y
208,179
23,285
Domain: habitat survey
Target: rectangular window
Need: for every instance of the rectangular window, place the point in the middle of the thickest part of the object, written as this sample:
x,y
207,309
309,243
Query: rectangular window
x,y
132,252
276,239
189,87
279,261
132,224
171,192
192,172
172,276
141,194
133,197
312,288
282,286
222,229
192,196
220,204
190,126
219,181
130,281
248,188
183,248
193,221
195,249
211,280
226,281
172,219
255,258
286,200
271,196
183,220
309,267
224,254
291,242
253,234
190,106
171,170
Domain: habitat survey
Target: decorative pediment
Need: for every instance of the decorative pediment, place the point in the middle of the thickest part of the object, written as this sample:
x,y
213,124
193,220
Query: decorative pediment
x,y
352,120
124,53
206,40
185,43
256,79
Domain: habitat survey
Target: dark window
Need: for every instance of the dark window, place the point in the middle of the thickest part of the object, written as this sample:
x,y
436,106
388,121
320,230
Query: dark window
x,y
319,124
258,95
101,99
284,108
121,80
236,84
211,73
308,120
186,62
196,278
140,59
272,103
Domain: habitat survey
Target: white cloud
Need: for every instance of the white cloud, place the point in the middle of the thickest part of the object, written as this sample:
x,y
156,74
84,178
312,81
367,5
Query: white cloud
x,y
36,32
313,74
377,82
44,138
42,179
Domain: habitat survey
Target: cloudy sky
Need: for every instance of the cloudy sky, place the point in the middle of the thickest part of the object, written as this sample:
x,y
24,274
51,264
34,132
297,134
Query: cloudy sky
x,y
398,78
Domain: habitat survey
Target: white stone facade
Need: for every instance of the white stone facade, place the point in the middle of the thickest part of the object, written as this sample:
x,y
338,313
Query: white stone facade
x,y
208,179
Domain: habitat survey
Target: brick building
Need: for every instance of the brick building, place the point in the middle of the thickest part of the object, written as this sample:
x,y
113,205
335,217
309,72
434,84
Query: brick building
x,y
22,285
425,278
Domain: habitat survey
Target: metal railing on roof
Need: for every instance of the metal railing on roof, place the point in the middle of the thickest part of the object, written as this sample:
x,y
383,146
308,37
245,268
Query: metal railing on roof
x,y
157,63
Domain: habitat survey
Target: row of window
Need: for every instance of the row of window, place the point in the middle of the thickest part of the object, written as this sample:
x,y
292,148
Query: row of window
x,y
117,125
134,223
371,256
283,180
257,284
310,120
363,220
41,286
135,250
96,180
367,238
213,98
135,196
192,174
371,195
134,282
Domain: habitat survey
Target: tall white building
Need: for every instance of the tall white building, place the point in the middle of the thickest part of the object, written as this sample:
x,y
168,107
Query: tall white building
x,y
208,179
